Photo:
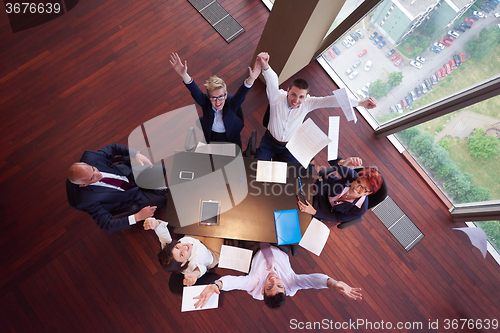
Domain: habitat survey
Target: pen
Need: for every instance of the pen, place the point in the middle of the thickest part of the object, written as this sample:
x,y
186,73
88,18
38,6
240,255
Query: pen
x,y
300,183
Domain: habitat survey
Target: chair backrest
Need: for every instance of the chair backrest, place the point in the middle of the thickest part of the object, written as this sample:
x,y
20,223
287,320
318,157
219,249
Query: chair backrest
x,y
265,120
71,193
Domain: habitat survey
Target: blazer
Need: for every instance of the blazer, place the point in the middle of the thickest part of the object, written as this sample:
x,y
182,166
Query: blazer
x,y
100,201
333,186
232,122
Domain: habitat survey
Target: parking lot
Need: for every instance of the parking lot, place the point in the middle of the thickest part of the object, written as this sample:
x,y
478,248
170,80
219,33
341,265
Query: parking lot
x,y
382,66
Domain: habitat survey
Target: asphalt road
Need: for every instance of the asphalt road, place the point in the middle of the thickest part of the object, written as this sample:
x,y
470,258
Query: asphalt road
x,y
383,66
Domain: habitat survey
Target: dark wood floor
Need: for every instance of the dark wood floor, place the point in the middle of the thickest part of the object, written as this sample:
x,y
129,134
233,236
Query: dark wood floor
x,y
91,76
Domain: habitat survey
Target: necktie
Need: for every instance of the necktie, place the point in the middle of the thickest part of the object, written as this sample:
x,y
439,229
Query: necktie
x,y
265,248
117,182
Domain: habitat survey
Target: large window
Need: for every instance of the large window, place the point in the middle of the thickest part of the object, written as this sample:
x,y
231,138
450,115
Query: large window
x,y
409,55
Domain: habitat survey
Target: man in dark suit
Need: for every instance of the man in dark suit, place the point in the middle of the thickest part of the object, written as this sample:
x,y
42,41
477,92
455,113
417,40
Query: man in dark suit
x,y
220,121
101,187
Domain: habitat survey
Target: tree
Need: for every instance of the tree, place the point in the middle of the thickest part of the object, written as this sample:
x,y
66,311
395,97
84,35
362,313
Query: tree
x,y
483,45
483,146
395,79
378,88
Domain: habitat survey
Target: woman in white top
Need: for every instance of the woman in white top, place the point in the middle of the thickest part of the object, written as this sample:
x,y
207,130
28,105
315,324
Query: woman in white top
x,y
190,255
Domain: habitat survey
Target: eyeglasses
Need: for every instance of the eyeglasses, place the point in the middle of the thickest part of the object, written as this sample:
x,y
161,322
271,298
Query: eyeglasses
x,y
365,189
218,98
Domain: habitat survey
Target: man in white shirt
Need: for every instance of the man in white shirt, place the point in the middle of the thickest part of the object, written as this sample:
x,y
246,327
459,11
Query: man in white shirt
x,y
271,278
288,110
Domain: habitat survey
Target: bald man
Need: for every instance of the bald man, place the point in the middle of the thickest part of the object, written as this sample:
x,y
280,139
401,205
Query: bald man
x,y
101,187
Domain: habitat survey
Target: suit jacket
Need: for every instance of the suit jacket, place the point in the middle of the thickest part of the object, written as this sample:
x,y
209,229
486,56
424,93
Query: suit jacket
x,y
333,186
232,122
99,201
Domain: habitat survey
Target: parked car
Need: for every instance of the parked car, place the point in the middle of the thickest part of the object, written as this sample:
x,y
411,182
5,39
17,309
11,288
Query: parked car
x,y
397,62
409,100
435,49
390,53
331,53
399,107
378,40
362,53
457,59
428,84
366,90
360,33
434,80
355,36
420,59
368,65
485,8
415,64
474,17
373,35
381,45
445,42
418,90
346,43
443,72
439,76
424,88
336,50
356,64
497,15
466,25
361,95
393,109
349,71
448,68
462,57
440,45
460,28
452,64
478,14
469,20
413,95
449,37
404,103
394,56
353,75
453,33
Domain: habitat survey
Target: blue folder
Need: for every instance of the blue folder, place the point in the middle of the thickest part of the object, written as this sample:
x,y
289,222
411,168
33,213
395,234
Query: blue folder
x,y
287,226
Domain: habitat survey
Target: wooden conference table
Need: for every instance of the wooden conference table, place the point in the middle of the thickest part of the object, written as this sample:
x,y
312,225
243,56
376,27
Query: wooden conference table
x,y
247,205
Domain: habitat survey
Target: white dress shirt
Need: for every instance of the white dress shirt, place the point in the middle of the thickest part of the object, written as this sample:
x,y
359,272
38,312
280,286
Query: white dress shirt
x,y
253,283
283,120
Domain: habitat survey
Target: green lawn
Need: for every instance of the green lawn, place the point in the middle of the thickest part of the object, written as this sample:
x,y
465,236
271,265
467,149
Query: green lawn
x,y
485,173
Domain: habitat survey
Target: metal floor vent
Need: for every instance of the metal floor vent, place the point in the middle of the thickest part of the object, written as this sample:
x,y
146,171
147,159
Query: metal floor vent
x,y
217,16
400,226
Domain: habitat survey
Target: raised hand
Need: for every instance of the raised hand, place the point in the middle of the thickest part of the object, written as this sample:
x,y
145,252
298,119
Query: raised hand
x,y
370,103
344,288
180,67
205,295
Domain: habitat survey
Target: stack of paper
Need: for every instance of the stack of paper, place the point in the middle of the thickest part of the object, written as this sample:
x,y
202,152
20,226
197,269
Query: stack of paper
x,y
306,142
315,237
235,258
188,299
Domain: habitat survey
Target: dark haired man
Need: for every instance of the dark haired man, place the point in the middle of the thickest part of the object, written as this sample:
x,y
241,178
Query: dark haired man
x,y
272,278
288,110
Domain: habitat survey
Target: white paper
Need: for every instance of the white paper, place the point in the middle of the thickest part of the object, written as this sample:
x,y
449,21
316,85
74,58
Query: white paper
x,y
477,238
235,258
306,142
273,172
333,134
345,104
188,301
225,149
315,237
